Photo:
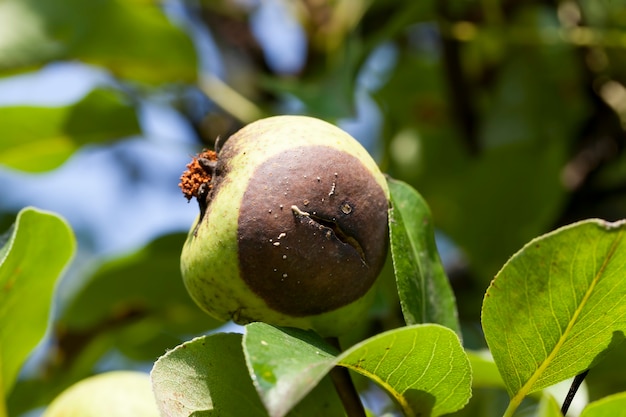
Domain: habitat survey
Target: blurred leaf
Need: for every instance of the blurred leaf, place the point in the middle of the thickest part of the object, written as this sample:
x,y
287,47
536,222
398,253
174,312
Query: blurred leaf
x,y
208,376
141,297
548,407
484,372
557,305
35,253
423,367
489,397
327,90
611,406
134,40
485,402
71,366
423,287
527,109
37,139
110,394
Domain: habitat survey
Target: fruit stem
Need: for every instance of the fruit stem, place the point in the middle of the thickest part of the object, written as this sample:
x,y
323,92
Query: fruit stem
x,y
345,386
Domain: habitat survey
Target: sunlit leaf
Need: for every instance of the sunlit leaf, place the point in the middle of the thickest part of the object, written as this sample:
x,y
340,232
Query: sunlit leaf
x,y
34,254
423,287
557,305
37,139
611,406
133,40
423,367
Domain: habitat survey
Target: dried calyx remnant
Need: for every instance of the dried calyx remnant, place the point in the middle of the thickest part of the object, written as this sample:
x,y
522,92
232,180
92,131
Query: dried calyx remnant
x,y
292,228
196,180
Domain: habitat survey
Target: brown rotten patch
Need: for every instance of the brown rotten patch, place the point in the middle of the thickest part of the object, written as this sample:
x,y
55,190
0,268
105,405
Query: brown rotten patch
x,y
313,234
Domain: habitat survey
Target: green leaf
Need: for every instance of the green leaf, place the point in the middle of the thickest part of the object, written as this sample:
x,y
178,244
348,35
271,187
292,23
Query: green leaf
x,y
484,371
37,139
423,367
548,407
135,304
611,406
134,40
208,377
141,297
423,287
285,364
37,250
557,305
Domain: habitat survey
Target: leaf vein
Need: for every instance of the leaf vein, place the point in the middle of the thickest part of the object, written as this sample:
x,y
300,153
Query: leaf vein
x,y
527,387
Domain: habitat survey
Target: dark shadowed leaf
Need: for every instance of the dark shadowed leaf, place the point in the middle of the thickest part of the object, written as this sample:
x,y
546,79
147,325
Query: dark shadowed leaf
x,y
141,298
500,163
423,287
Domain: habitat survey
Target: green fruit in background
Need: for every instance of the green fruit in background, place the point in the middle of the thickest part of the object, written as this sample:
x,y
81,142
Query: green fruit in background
x,y
111,394
293,226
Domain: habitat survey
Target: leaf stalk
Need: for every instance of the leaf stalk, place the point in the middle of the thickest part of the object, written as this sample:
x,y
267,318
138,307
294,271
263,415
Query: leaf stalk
x,y
513,405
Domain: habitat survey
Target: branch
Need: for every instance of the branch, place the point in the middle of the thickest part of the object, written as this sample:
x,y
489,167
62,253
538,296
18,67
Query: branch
x,y
345,387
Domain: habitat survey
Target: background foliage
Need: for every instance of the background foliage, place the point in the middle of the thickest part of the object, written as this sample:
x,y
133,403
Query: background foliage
x,y
507,116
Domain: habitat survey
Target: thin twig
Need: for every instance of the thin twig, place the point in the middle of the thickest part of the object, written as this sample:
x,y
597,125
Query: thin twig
x,y
578,379
345,387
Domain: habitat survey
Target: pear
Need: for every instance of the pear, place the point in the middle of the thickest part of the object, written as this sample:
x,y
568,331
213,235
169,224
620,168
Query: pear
x,y
292,228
